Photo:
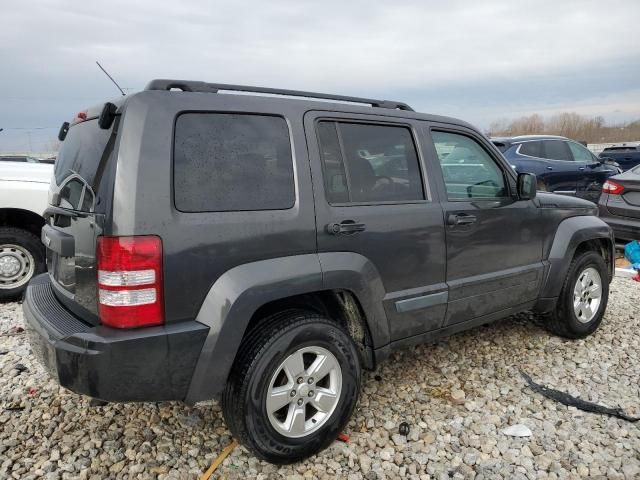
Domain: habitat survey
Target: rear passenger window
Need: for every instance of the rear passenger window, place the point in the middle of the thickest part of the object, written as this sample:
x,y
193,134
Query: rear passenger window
x,y
556,150
531,149
232,162
369,163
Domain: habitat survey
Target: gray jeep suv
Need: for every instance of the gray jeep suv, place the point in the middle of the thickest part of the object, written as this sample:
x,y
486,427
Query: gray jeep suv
x,y
263,248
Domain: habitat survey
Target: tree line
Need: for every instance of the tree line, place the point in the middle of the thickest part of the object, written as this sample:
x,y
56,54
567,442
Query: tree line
x,y
568,124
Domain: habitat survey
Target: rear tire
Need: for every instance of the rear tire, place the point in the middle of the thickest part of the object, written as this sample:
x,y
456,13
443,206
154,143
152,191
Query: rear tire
x,y
21,258
275,366
583,298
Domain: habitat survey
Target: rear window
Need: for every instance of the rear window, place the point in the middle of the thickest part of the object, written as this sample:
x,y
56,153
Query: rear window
x,y
80,165
620,149
232,162
81,152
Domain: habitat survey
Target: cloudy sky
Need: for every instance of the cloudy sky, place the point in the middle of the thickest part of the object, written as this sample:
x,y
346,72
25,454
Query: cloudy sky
x,y
478,60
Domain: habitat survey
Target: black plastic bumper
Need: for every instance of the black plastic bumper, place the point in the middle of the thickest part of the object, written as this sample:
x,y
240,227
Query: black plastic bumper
x,y
148,364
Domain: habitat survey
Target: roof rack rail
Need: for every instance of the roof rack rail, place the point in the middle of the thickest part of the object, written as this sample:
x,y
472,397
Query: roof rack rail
x,y
204,87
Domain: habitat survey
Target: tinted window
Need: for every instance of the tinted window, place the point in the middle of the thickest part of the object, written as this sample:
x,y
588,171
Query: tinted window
x,y
226,162
620,149
71,193
375,163
556,150
580,154
532,149
468,170
81,152
335,178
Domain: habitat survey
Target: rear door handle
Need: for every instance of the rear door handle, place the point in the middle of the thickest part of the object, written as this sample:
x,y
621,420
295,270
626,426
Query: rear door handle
x,y
549,168
581,169
461,219
346,227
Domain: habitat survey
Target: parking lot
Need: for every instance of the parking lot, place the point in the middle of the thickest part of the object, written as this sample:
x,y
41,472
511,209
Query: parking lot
x,y
48,432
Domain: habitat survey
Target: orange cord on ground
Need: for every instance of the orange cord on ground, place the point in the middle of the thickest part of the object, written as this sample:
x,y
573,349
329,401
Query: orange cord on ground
x,y
216,463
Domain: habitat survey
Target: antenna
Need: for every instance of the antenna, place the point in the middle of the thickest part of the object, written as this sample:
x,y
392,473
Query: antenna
x,y
110,77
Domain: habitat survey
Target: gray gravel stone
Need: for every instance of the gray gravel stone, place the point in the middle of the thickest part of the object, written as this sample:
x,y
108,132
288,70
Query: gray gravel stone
x,y
456,395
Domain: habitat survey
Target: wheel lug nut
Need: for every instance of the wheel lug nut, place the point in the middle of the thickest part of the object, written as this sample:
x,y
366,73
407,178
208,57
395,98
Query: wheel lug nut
x,y
300,402
300,380
310,381
311,393
293,393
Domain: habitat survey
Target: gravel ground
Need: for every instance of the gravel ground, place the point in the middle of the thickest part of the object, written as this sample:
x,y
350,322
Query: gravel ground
x,y
457,396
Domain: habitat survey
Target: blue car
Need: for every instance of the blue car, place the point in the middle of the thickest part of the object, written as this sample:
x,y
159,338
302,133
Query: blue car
x,y
561,165
627,156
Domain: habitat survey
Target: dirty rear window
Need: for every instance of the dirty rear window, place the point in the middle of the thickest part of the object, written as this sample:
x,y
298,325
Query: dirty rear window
x,y
81,151
232,162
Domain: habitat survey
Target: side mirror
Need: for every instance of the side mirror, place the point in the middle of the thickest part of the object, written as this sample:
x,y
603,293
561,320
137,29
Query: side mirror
x,y
527,186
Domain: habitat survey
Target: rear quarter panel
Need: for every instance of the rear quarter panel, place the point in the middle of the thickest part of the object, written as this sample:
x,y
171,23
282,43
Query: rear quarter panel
x,y
199,247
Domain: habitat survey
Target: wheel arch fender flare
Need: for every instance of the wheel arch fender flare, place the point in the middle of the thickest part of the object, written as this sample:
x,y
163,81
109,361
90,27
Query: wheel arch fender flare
x,y
238,293
570,234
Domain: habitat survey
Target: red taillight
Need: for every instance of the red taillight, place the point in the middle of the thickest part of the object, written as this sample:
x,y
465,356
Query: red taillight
x,y
130,281
612,188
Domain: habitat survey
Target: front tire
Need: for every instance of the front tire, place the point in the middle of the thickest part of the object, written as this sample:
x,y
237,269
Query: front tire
x,y
583,299
293,387
21,258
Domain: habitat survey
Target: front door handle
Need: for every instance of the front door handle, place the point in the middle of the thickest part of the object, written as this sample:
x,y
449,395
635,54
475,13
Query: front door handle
x,y
461,219
549,168
346,227
581,169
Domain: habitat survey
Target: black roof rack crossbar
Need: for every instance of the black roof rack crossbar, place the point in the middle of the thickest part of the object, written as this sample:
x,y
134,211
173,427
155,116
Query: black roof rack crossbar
x,y
204,87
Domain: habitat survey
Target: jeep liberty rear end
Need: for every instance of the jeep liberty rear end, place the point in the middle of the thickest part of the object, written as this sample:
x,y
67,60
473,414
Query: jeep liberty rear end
x,y
263,250
99,321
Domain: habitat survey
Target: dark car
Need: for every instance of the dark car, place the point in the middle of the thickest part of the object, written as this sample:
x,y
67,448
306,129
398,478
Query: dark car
x,y
627,156
561,165
264,249
620,205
